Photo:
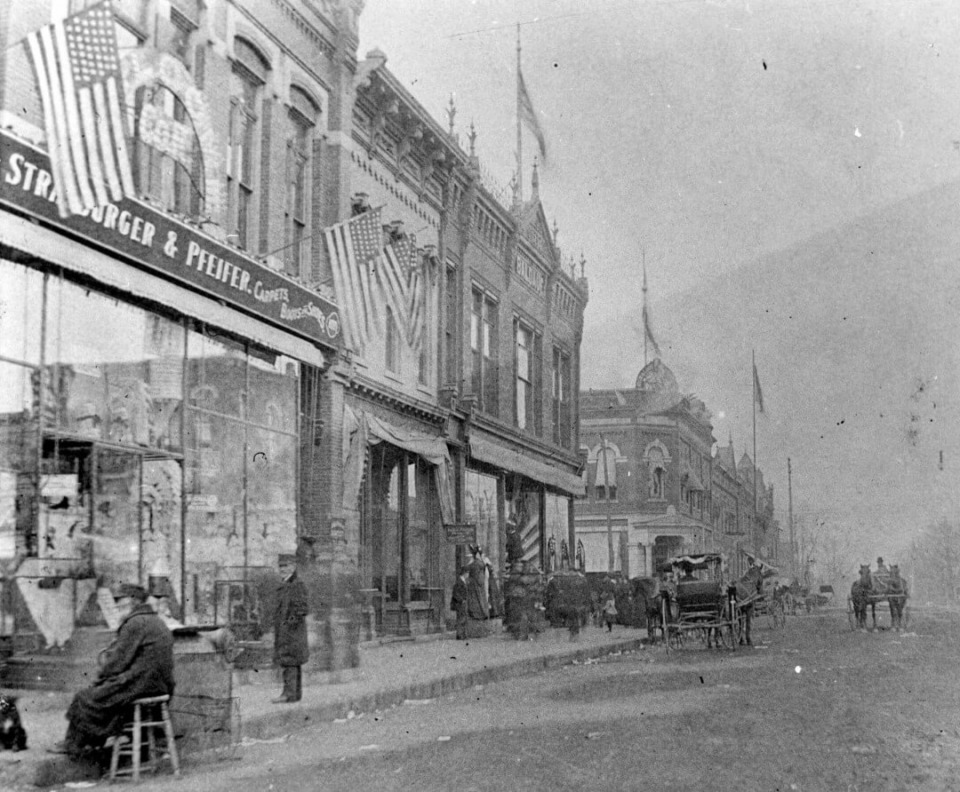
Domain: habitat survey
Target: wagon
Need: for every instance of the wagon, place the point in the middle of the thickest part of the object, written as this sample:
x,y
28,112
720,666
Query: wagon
x,y
885,588
702,607
770,604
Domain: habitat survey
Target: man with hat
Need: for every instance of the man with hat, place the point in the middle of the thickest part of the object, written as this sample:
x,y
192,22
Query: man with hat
x,y
138,663
290,649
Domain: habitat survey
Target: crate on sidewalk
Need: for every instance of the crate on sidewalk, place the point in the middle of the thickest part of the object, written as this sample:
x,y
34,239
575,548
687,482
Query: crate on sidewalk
x,y
207,727
206,714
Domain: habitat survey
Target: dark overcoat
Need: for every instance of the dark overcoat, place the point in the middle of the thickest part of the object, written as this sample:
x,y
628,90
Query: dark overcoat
x,y
137,664
290,623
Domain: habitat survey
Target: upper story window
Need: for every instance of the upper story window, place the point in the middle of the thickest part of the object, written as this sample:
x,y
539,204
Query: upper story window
x,y
657,465
605,480
246,84
301,120
484,350
392,360
562,424
529,378
167,158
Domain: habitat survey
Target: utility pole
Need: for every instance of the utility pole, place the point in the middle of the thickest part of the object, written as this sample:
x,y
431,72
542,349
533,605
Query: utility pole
x,y
793,540
606,487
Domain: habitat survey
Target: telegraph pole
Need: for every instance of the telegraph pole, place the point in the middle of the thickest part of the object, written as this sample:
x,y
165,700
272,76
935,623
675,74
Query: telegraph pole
x,y
793,540
606,486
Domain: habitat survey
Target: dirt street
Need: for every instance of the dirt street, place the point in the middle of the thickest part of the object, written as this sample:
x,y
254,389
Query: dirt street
x,y
814,706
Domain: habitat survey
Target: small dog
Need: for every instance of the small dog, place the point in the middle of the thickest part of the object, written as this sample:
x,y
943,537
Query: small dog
x,y
13,737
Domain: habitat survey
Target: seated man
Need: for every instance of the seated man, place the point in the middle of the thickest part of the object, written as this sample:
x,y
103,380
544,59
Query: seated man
x,y
688,575
137,664
881,567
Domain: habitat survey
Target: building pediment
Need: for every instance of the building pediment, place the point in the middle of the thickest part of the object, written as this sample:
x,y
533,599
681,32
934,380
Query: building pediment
x,y
535,231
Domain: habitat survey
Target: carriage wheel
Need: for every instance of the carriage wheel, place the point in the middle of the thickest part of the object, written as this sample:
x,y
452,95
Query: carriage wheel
x,y
674,637
724,636
665,621
851,614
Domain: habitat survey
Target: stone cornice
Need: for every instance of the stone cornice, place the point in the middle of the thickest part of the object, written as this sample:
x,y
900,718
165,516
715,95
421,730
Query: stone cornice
x,y
395,400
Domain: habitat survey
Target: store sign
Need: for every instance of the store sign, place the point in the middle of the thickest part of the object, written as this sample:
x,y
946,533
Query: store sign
x,y
461,533
166,246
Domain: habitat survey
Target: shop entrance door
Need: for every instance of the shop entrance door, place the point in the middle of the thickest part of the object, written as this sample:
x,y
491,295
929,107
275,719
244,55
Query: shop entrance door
x,y
400,534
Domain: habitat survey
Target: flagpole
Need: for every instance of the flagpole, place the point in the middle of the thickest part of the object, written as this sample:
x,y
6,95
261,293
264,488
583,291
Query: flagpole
x,y
753,373
643,252
519,134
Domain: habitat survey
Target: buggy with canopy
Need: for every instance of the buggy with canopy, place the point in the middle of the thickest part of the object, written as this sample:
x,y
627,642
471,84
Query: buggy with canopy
x,y
702,605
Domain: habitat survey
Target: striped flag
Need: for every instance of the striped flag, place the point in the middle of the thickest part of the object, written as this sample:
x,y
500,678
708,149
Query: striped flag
x,y
528,115
757,393
351,245
78,74
370,278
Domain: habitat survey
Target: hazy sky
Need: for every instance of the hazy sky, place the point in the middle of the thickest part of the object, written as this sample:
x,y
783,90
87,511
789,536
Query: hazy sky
x,y
702,135
705,132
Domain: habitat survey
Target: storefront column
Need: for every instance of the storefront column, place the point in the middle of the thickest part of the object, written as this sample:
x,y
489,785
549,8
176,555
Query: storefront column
x,y
342,531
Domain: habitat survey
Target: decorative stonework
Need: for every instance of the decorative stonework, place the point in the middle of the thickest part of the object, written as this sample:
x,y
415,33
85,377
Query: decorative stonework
x,y
142,67
307,30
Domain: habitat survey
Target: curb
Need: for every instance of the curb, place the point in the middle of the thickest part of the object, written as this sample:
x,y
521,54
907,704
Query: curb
x,y
57,770
279,723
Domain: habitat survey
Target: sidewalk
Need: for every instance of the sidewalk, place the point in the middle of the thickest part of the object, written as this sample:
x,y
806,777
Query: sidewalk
x,y
388,674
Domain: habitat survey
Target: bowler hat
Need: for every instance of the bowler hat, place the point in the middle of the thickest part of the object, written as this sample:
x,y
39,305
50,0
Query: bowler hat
x,y
131,590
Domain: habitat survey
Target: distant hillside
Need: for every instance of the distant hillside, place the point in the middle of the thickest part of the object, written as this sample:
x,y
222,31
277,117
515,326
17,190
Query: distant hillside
x,y
857,339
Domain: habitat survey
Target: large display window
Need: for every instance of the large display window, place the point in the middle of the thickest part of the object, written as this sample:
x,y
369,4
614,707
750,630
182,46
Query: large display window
x,y
136,447
481,508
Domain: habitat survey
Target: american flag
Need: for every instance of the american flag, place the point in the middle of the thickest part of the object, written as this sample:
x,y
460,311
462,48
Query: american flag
x,y
371,278
78,74
352,244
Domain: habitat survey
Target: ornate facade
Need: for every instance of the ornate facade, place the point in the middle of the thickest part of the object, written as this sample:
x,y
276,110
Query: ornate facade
x,y
654,486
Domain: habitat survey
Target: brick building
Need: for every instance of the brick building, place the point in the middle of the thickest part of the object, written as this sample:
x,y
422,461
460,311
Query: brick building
x,y
656,489
165,339
475,422
200,372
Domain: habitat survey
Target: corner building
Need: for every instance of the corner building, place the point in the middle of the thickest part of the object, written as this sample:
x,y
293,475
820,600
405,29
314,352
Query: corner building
x,y
165,358
656,488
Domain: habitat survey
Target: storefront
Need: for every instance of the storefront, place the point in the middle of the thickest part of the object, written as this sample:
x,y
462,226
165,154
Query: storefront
x,y
399,476
148,433
536,498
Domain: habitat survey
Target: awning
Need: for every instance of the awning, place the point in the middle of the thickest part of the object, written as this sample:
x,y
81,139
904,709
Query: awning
x,y
75,257
361,430
494,454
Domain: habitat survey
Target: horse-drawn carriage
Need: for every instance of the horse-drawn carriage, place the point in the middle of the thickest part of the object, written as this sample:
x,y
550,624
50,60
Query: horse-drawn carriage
x,y
708,607
771,600
869,590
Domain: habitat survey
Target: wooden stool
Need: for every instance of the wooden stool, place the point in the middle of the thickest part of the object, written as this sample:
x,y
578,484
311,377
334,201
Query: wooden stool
x,y
130,743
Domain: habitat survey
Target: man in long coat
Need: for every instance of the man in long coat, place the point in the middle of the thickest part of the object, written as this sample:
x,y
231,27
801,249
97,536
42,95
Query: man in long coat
x,y
458,602
137,664
290,649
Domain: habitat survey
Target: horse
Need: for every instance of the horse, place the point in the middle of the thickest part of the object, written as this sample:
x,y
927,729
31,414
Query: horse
x,y
860,594
896,591
648,593
746,589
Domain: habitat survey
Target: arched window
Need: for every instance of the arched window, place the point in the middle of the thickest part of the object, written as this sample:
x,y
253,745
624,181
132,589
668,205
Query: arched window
x,y
605,481
301,120
246,83
167,161
657,466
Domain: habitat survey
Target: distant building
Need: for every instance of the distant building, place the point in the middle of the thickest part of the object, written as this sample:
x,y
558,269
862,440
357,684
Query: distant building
x,y
654,487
